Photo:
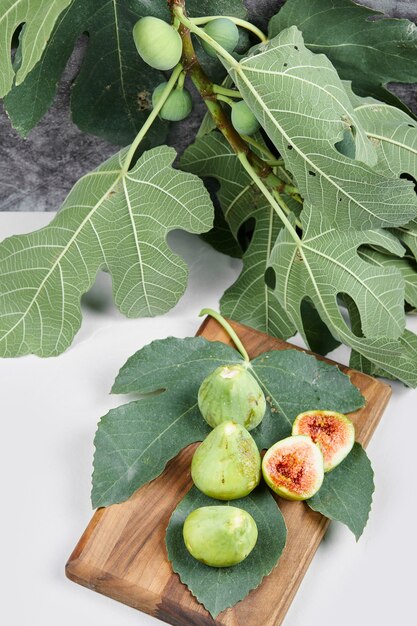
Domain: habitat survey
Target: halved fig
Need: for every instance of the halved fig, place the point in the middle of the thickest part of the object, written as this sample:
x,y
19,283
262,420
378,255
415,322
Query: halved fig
x,y
293,468
333,432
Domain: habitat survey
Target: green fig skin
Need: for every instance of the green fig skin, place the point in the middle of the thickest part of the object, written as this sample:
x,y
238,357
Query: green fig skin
x,y
243,119
224,32
227,465
177,106
220,536
293,468
333,432
157,43
231,393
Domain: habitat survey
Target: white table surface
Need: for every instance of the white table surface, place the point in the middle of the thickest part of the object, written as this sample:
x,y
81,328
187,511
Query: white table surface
x,y
50,409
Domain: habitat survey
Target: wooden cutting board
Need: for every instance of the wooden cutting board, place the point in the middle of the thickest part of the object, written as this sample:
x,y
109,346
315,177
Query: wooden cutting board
x,y
122,552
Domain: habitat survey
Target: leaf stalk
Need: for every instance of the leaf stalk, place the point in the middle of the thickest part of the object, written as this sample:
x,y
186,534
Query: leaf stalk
x,y
151,117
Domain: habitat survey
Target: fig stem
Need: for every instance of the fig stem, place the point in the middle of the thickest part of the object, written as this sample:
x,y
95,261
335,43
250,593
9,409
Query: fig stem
x,y
275,202
198,21
219,318
262,149
285,207
151,117
224,91
226,99
193,28
181,80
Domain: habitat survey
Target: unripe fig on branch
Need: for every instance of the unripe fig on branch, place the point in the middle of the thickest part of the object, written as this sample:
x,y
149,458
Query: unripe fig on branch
x,y
224,32
243,119
157,42
177,106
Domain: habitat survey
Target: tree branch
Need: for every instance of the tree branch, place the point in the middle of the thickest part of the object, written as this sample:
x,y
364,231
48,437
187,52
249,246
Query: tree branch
x,y
206,89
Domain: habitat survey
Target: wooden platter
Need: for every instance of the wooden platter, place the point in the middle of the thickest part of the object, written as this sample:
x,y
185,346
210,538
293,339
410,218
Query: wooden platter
x,y
122,552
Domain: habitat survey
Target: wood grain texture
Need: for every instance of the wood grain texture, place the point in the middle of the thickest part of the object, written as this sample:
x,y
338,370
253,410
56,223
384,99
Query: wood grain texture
x,y
122,552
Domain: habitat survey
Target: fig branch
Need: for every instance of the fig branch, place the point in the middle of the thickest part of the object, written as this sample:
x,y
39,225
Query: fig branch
x,y
209,93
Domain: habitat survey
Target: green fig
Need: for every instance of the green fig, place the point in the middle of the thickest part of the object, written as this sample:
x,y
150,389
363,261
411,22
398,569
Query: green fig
x,y
224,32
333,432
220,536
177,106
231,393
243,119
293,468
227,465
157,42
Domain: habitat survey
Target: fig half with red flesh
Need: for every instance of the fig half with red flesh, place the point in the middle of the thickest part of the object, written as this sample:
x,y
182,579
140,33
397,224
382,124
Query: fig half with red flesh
x,y
293,468
333,432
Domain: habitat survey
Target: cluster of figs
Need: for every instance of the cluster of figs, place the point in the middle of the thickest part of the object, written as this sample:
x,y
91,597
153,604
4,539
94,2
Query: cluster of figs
x,y
227,465
160,46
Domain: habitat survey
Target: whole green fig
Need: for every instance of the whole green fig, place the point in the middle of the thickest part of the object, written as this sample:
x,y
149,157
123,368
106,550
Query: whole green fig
x,y
243,119
224,32
177,106
231,393
220,536
157,42
227,465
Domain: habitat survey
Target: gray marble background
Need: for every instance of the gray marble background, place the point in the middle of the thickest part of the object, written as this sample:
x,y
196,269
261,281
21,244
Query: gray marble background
x,y
37,173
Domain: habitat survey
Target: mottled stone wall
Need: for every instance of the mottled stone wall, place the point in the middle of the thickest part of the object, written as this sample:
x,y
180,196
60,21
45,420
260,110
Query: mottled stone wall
x,y
37,173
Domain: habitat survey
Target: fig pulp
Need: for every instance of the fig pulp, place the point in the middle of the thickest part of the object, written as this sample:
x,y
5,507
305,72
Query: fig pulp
x,y
220,536
157,42
227,465
333,432
293,468
231,393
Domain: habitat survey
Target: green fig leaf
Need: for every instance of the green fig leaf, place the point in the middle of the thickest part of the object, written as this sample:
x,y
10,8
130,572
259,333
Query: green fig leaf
x,y
393,133
38,18
135,441
111,96
346,492
325,263
249,299
400,365
348,192
408,235
293,382
114,219
220,237
370,52
317,335
406,266
218,588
